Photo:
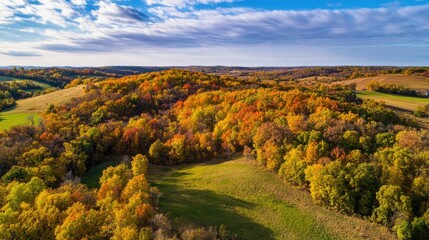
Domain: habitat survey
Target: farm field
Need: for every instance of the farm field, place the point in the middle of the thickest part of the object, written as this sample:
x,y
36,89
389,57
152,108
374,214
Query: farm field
x,y
397,102
414,82
253,203
34,106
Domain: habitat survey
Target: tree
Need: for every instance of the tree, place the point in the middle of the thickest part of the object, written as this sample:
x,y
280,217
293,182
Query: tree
x,y
293,168
80,224
394,206
24,192
139,164
346,187
158,152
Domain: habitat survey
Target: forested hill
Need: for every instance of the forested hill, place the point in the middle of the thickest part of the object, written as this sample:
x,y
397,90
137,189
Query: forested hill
x,y
62,76
354,156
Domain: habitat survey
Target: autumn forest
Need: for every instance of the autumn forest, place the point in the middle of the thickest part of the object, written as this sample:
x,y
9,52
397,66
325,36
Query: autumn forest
x,y
353,156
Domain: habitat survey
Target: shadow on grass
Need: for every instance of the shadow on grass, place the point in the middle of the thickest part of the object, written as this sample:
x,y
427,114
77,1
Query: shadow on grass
x,y
208,208
6,110
92,177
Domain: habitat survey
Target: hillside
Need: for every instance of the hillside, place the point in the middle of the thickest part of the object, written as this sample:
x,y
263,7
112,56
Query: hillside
x,y
410,81
35,105
253,203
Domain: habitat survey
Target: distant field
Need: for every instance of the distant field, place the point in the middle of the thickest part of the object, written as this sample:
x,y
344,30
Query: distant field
x,y
35,105
403,103
40,84
414,82
253,203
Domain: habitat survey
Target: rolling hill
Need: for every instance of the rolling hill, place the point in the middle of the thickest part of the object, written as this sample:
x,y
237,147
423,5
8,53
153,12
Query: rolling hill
x,y
19,115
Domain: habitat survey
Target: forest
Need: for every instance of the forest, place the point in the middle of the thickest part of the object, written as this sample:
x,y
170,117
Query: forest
x,y
353,156
61,77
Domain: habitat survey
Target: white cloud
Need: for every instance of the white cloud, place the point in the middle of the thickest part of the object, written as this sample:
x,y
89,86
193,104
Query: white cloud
x,y
109,13
184,3
7,10
78,2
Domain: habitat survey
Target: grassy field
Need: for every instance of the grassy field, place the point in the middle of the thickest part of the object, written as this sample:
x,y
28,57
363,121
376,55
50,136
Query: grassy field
x,y
35,105
398,102
253,203
40,84
414,82
8,120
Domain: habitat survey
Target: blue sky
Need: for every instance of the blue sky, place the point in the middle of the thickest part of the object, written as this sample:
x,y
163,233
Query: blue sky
x,y
213,32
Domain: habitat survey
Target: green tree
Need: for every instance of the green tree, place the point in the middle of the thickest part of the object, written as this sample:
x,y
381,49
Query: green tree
x,y
158,152
139,164
293,168
394,207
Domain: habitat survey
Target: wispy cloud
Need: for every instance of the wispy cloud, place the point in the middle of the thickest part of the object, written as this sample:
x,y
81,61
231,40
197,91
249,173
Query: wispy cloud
x,y
21,54
112,26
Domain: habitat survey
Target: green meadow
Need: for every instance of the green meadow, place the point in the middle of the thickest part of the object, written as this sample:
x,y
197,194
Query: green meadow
x,y
252,203
8,119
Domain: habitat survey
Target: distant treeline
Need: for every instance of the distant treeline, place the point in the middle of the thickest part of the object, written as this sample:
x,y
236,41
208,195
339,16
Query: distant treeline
x,y
294,73
60,77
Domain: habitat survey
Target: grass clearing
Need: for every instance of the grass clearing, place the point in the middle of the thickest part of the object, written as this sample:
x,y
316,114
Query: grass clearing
x,y
24,108
253,203
398,102
92,176
8,120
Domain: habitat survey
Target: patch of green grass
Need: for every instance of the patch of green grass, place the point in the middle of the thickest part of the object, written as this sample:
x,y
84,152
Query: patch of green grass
x,y
92,176
253,203
399,102
8,120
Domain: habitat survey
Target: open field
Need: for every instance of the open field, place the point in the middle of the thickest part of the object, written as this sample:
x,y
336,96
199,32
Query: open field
x,y
40,84
414,82
397,102
8,120
35,105
253,203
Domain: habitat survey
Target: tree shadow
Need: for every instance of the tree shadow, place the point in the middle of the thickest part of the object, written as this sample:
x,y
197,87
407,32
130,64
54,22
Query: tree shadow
x,y
207,208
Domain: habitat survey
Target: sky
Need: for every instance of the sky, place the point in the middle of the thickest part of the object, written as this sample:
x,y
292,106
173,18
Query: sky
x,y
214,32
